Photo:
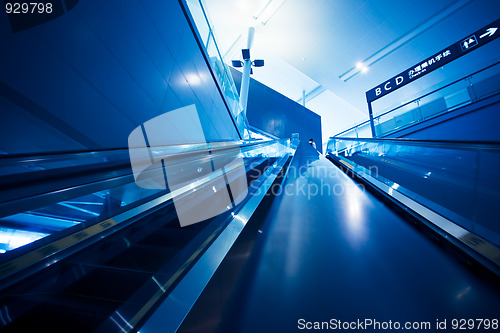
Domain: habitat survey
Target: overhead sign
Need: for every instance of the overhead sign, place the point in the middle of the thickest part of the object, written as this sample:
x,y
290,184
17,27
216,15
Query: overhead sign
x,y
471,42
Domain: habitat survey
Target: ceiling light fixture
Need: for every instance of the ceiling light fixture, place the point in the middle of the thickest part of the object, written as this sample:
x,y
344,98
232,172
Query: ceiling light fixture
x,y
268,11
406,38
193,79
361,67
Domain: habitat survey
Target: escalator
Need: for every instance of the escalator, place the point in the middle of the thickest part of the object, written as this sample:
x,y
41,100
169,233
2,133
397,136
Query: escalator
x,y
310,246
103,253
332,254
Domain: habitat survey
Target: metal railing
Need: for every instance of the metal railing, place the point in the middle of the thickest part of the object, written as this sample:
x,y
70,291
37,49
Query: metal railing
x,y
470,89
467,90
362,128
207,34
456,179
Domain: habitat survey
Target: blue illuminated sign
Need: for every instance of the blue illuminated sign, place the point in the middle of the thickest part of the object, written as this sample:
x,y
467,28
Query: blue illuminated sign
x,y
471,42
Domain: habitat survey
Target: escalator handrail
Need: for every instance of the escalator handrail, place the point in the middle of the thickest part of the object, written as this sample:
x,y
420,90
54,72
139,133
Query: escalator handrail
x,y
444,144
95,167
48,156
18,189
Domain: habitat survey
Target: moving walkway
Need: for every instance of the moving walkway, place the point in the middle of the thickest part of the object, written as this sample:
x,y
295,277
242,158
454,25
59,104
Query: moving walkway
x,y
309,242
341,251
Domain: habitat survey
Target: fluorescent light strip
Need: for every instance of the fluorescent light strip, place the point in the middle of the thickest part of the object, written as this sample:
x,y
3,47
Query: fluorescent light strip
x,y
405,39
230,50
313,93
263,9
270,9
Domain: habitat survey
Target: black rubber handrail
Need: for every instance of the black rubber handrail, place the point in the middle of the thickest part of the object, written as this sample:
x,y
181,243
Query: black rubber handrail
x,y
445,144
29,188
94,152
95,164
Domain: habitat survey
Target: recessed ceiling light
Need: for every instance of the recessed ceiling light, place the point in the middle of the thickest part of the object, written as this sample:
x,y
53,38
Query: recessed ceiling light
x,y
361,67
193,79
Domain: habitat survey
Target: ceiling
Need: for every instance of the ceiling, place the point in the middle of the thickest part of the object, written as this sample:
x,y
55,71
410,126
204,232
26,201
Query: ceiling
x,y
319,47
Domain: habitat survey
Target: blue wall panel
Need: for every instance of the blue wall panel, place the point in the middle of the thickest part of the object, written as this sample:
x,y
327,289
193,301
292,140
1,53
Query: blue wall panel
x,y
92,75
278,115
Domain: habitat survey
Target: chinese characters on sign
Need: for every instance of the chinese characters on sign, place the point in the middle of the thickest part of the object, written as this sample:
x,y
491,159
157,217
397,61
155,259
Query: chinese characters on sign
x,y
439,59
422,68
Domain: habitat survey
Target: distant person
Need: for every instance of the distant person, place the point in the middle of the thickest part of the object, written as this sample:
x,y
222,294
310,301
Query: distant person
x,y
312,143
